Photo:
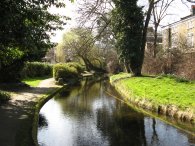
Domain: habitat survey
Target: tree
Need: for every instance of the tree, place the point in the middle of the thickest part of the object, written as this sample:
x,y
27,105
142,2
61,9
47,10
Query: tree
x,y
127,23
191,1
79,44
159,12
25,29
98,9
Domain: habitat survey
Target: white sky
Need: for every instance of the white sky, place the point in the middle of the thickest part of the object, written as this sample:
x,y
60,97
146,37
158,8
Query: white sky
x,y
178,10
69,11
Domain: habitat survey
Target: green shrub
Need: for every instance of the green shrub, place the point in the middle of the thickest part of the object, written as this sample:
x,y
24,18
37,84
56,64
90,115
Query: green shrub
x,y
4,97
36,69
11,72
80,68
65,71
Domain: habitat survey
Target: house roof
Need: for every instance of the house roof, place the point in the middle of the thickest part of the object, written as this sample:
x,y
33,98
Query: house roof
x,y
184,19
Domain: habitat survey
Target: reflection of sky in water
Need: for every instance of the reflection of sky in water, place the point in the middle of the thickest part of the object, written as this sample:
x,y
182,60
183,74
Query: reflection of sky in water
x,y
59,128
102,121
62,129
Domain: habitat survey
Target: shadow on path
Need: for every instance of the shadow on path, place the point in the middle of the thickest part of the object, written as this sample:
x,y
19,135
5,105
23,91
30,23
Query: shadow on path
x,y
16,116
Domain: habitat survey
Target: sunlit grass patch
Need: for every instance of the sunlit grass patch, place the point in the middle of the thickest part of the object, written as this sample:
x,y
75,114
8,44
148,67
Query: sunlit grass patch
x,y
34,82
119,76
164,90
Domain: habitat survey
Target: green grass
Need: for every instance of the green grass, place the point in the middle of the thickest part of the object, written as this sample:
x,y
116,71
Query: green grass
x,y
34,82
163,90
119,76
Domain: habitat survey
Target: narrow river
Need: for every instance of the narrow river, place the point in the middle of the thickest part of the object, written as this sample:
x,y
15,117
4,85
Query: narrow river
x,y
87,116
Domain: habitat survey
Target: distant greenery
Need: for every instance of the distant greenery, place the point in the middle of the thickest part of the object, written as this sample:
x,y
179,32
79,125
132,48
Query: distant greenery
x,y
4,97
78,44
80,68
36,69
67,71
34,82
161,90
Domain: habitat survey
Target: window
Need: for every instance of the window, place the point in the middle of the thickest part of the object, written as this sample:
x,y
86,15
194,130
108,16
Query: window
x,y
190,25
174,40
174,29
190,40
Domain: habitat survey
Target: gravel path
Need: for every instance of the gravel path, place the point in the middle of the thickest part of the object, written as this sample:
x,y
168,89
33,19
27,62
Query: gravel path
x,y
16,116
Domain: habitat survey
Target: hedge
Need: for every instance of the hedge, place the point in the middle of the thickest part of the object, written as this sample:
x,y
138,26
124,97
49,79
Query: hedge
x,y
36,69
67,71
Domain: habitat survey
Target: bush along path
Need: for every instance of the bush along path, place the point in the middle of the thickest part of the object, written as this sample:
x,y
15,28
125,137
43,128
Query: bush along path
x,y
17,115
165,95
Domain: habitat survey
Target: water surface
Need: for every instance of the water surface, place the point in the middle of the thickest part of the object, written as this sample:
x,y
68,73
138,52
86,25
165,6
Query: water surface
x,y
88,116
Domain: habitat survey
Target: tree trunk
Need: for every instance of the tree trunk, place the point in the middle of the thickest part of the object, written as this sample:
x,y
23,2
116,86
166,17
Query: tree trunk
x,y
144,35
136,69
90,66
126,65
155,41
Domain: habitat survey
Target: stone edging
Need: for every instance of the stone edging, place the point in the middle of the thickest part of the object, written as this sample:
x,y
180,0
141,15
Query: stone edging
x,y
168,110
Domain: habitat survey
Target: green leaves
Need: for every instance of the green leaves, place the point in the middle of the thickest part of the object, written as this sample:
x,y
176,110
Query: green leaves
x,y
127,25
25,30
9,55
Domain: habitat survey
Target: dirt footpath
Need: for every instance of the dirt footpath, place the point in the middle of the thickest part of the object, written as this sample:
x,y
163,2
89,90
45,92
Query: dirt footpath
x,y
16,116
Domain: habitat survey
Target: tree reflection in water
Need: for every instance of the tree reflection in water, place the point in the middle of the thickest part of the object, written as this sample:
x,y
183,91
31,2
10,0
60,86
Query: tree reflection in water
x,y
90,117
42,121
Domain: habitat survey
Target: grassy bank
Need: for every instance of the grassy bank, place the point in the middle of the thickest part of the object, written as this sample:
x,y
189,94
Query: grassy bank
x,y
34,81
165,94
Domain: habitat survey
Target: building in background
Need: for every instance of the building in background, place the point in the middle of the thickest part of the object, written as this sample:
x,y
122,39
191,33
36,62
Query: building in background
x,y
180,34
150,40
50,56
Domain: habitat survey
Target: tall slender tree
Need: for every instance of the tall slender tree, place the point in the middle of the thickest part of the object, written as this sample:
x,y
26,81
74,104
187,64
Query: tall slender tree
x,y
127,24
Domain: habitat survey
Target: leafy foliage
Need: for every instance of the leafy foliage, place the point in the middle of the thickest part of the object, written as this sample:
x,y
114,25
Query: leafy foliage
x,y
67,71
80,68
25,29
36,69
127,24
78,44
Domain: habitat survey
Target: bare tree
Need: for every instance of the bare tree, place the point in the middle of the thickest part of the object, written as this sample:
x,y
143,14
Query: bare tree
x,y
191,1
145,29
159,12
94,11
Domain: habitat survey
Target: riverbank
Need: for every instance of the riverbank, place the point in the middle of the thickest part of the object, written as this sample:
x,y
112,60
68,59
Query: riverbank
x,y
17,115
164,95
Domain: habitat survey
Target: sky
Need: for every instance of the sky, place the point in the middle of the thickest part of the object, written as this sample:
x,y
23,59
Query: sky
x,y
69,11
177,11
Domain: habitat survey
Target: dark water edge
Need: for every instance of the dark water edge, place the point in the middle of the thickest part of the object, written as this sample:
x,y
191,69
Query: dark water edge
x,y
185,126
87,116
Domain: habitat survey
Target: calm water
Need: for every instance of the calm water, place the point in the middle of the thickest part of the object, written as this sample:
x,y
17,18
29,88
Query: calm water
x,y
88,116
